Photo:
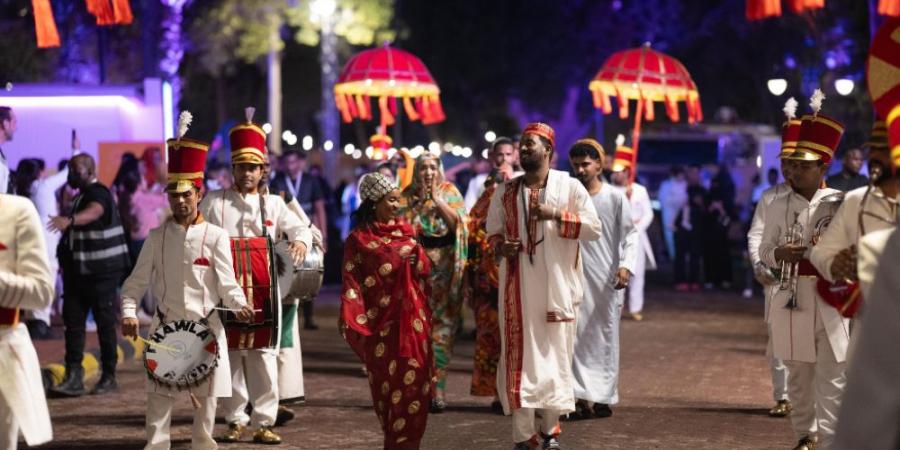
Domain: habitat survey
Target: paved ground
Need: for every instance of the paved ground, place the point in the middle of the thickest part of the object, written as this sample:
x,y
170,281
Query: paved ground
x,y
693,376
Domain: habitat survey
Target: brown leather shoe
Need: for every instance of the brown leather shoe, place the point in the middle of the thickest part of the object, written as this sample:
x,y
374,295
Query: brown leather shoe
x,y
781,409
234,433
806,444
265,435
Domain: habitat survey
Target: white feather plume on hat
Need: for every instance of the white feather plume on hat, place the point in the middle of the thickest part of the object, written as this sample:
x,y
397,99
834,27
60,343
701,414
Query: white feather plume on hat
x,y
790,108
815,102
184,121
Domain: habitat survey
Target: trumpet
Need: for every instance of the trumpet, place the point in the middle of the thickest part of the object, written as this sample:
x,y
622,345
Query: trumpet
x,y
789,275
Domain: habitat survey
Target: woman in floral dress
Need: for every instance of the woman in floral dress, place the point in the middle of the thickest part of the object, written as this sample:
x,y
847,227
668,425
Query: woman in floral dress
x,y
436,210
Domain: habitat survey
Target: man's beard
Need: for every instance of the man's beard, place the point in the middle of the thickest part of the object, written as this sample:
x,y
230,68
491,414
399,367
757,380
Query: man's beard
x,y
530,164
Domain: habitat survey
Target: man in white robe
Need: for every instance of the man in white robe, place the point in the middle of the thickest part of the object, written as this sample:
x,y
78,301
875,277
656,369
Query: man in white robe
x,y
535,222
238,211
187,261
607,264
25,284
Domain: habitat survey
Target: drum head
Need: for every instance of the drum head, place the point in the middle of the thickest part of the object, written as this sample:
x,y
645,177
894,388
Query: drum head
x,y
185,353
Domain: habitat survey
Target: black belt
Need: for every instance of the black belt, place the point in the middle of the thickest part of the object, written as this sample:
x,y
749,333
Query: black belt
x,y
438,241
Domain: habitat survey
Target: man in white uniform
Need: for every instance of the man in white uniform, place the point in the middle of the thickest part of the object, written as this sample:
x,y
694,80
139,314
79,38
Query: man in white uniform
x,y
25,284
624,163
238,211
535,222
607,266
187,261
864,210
807,333
790,130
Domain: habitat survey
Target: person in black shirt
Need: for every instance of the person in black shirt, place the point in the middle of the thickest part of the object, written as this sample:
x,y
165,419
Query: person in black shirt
x,y
849,177
93,255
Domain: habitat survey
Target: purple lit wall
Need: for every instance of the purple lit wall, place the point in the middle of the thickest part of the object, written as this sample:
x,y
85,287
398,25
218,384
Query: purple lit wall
x,y
47,113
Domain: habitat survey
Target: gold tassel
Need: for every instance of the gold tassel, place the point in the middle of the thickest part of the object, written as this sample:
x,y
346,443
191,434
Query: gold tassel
x,y
122,12
410,109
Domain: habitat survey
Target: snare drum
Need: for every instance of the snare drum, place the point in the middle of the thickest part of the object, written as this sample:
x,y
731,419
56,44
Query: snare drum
x,y
307,277
181,353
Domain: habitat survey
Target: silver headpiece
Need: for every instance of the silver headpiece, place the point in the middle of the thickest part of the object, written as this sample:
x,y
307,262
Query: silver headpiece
x,y
375,186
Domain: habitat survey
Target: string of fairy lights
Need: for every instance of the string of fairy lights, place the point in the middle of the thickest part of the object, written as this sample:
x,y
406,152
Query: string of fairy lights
x,y
436,148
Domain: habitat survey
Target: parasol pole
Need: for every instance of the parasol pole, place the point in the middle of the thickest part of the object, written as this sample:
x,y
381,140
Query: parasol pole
x,y
636,136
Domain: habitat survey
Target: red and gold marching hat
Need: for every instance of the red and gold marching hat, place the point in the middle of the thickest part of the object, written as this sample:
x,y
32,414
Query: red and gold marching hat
x,y
883,76
790,130
248,142
541,129
186,159
624,158
819,135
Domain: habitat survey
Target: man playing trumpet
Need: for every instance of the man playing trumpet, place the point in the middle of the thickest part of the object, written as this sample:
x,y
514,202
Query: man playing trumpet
x,y
810,336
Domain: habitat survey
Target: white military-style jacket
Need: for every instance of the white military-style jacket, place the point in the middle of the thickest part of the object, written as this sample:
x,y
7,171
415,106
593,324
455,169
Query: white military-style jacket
x,y
190,272
793,330
25,284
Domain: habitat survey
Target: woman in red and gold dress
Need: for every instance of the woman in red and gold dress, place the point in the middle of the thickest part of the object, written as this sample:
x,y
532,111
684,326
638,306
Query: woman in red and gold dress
x,y
384,312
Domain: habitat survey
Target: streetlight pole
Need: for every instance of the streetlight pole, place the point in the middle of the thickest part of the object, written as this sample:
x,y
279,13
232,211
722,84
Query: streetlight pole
x,y
329,124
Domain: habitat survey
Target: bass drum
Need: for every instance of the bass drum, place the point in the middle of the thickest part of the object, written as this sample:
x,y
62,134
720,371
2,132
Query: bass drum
x,y
307,276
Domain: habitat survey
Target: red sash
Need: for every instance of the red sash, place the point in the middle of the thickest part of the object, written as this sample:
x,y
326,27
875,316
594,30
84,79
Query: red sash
x,y
9,317
254,270
844,297
512,299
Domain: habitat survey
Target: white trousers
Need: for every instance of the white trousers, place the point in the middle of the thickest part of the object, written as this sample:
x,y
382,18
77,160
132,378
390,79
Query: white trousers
x,y
159,416
779,372
9,429
525,426
815,390
636,284
254,379
290,369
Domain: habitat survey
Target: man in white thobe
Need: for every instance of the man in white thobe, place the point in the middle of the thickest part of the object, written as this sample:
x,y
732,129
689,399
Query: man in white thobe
x,y
535,222
607,264
770,284
25,284
187,262
238,211
807,333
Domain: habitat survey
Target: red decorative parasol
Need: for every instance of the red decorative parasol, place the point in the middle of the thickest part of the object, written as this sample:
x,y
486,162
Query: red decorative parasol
x,y
390,75
647,76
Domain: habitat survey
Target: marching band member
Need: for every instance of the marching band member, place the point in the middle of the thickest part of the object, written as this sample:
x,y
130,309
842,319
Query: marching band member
x,y
25,284
869,416
624,161
789,132
252,219
864,210
187,261
807,333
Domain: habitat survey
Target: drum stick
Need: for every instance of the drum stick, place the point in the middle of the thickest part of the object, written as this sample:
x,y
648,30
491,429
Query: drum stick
x,y
233,309
158,345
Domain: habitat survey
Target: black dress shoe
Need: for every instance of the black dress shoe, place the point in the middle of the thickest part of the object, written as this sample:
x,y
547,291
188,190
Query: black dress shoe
x,y
106,385
438,405
310,326
72,384
602,410
284,416
497,407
